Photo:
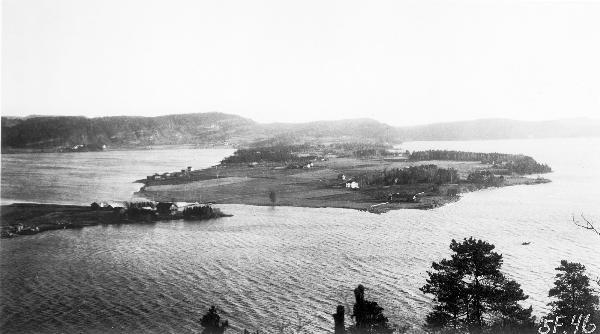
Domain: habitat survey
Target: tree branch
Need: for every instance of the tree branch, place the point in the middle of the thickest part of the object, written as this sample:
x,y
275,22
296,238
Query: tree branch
x,y
588,225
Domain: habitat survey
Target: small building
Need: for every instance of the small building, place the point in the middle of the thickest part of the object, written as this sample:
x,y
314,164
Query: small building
x,y
352,184
183,205
174,207
115,206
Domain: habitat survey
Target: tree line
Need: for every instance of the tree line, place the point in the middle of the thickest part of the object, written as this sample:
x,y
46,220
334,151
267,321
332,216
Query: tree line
x,y
517,163
411,175
471,295
362,150
200,212
280,153
485,177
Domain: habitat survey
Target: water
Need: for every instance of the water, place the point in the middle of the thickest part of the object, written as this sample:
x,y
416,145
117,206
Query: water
x,y
82,178
268,265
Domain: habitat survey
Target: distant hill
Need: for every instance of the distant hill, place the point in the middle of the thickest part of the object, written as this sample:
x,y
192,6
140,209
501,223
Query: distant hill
x,y
122,131
351,130
501,129
207,129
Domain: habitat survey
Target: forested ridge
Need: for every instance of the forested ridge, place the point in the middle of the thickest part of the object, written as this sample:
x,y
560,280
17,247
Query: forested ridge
x,y
512,163
214,128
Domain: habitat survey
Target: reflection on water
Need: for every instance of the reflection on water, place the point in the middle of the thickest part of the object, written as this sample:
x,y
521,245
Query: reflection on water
x,y
268,264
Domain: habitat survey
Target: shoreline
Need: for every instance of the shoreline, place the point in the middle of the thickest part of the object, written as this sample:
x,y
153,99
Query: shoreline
x,y
427,203
32,218
12,150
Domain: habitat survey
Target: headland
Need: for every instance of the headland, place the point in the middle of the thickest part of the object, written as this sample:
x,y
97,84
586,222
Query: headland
x,y
374,178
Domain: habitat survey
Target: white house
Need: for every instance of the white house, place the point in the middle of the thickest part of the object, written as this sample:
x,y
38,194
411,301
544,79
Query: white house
x,y
180,206
352,184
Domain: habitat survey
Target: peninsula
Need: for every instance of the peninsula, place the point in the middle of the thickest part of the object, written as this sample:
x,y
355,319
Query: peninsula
x,y
363,176
32,218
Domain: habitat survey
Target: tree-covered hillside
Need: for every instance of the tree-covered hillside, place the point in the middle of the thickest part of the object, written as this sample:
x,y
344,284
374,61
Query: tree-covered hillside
x,y
199,129
57,132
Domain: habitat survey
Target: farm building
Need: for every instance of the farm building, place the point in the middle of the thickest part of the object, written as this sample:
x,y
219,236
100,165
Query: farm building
x,y
352,184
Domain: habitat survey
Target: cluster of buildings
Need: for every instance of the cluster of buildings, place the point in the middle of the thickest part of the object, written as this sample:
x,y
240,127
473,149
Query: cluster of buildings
x,y
11,231
171,175
349,183
173,208
84,148
163,208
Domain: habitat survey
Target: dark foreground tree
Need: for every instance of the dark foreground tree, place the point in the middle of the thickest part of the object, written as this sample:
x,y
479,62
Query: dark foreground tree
x,y
212,323
572,293
471,294
339,319
368,315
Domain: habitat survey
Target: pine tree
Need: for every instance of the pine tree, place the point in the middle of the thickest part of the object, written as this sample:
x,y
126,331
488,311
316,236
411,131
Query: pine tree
x,y
472,294
339,319
212,323
368,315
572,292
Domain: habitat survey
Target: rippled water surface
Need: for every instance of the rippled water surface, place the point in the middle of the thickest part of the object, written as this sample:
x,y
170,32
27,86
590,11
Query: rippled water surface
x,y
84,177
266,265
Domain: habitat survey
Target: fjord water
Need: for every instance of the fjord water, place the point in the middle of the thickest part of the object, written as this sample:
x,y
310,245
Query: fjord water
x,y
85,177
265,266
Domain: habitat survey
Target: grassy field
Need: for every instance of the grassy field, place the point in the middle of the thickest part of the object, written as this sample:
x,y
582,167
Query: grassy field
x,y
319,186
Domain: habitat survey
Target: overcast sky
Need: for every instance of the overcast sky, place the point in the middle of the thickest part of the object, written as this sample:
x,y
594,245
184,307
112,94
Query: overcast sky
x,y
400,62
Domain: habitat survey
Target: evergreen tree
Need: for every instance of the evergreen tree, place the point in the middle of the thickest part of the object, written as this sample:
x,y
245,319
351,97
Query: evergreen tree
x,y
572,292
212,323
338,319
472,294
510,317
368,315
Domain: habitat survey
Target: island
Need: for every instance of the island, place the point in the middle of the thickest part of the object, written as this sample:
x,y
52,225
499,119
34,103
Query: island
x,y
32,218
372,177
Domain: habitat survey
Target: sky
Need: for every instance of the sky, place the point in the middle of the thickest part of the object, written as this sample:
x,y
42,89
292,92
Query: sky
x,y
399,62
